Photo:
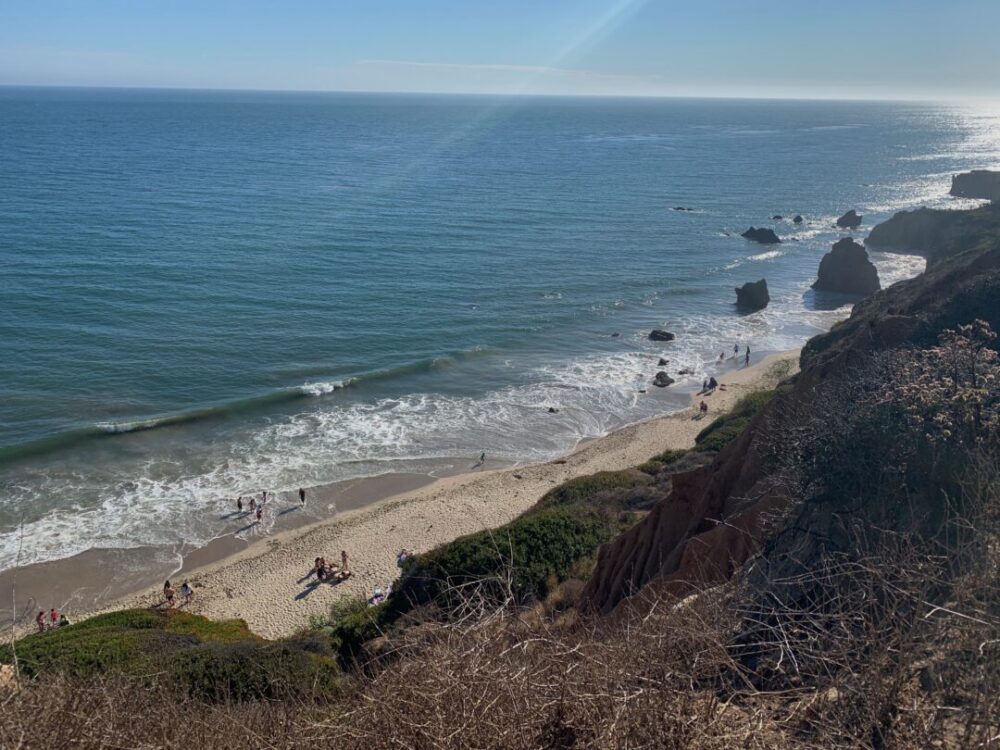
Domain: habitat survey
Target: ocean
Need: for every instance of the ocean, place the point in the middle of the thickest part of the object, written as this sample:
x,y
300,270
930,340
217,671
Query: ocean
x,y
208,294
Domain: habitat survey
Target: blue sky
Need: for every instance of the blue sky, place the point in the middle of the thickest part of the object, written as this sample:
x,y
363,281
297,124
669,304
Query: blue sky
x,y
801,48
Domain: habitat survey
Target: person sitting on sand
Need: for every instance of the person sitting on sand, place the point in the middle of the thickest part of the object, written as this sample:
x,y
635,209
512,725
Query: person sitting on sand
x,y
403,556
168,594
378,596
40,621
63,621
703,408
712,384
187,592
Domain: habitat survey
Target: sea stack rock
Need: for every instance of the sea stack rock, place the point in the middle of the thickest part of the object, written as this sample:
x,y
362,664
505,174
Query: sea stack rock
x,y
761,235
979,183
752,295
658,334
850,220
662,380
846,269
798,219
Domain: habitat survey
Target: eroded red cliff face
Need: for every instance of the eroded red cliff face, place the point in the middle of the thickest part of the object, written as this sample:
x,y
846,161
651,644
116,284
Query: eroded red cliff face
x,y
718,516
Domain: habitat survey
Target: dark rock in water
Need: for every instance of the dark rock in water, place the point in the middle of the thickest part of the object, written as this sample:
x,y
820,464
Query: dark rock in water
x,y
660,335
686,371
777,217
615,335
662,380
553,410
979,183
682,208
663,362
798,219
762,235
847,269
850,220
753,295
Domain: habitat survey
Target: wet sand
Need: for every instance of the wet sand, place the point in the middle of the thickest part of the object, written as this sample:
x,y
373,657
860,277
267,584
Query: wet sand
x,y
262,580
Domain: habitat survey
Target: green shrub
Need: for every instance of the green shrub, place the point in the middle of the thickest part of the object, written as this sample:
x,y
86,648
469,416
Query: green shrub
x,y
656,463
250,671
723,430
215,660
542,543
585,490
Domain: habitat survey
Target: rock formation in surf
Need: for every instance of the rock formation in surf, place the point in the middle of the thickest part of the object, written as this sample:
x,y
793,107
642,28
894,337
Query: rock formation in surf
x,y
761,234
847,269
850,220
753,295
658,334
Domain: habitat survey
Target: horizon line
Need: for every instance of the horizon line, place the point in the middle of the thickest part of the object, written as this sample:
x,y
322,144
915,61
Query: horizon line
x,y
512,94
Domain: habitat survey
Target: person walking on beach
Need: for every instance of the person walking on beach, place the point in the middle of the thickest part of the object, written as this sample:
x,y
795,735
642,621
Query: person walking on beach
x,y
53,617
703,408
168,594
482,458
40,621
253,504
345,568
187,592
239,504
746,360
260,513
302,497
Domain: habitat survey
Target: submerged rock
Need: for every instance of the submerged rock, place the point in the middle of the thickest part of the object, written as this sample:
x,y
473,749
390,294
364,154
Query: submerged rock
x,y
847,269
798,219
682,208
979,183
753,295
777,217
850,220
662,380
762,235
658,334
663,362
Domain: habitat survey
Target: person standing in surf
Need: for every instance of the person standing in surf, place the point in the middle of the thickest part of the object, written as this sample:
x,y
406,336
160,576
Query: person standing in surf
x,y
302,497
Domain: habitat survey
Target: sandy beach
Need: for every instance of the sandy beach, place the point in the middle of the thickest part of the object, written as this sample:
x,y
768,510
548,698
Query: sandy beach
x,y
265,585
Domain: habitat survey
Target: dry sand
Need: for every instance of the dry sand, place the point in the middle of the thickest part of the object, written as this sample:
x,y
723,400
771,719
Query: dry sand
x,y
265,584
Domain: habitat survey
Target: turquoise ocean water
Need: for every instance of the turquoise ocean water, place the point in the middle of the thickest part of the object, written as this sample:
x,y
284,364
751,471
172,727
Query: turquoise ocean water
x,y
212,293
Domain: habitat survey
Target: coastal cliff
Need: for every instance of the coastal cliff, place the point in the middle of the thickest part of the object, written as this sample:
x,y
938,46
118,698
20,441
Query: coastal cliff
x,y
718,516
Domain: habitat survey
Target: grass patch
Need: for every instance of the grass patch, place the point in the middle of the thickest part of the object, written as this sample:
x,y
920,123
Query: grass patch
x,y
726,428
654,465
588,489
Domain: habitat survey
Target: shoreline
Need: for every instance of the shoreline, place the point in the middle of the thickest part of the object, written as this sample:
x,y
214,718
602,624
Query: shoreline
x,y
262,582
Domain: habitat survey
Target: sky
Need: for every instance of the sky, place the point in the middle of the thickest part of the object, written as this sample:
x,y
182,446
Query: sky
x,y
912,49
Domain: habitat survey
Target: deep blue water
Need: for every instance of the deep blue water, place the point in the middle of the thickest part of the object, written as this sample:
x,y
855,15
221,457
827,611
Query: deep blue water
x,y
289,289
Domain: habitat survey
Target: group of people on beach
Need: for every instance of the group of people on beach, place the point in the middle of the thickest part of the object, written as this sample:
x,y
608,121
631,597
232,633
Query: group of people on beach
x,y
329,572
186,592
257,508
736,353
53,620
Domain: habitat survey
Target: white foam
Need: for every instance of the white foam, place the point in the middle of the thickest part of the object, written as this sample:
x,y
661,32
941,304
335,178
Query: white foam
x,y
325,388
